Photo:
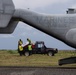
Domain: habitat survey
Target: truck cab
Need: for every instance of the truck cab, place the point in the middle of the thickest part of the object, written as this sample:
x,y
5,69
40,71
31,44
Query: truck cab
x,y
40,47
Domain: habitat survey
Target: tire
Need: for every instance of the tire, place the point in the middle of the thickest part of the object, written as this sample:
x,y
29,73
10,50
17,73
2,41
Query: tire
x,y
50,53
27,54
60,64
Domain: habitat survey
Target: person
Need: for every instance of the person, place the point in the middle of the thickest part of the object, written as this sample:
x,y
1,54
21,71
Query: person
x,y
20,47
20,42
30,48
29,41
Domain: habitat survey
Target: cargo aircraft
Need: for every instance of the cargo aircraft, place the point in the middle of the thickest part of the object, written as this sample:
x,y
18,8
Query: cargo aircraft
x,y
62,26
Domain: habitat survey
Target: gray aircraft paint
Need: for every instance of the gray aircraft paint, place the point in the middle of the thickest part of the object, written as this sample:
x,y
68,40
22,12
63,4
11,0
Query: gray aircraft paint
x,y
6,11
62,27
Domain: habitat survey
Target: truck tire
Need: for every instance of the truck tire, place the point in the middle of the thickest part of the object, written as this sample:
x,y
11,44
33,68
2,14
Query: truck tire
x,y
50,53
27,53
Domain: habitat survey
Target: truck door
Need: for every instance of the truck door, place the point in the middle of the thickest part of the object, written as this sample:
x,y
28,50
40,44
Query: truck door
x,y
41,48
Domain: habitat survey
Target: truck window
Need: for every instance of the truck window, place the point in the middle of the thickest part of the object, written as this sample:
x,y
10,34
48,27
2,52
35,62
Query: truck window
x,y
40,45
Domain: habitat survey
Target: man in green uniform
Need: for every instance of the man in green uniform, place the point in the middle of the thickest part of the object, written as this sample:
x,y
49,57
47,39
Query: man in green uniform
x,y
30,48
29,41
20,49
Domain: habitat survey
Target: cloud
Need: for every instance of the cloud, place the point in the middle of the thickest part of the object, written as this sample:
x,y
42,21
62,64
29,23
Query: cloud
x,y
24,26
73,6
33,33
6,36
28,33
35,3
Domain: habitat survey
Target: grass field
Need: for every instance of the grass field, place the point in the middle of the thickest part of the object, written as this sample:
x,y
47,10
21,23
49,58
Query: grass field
x,y
12,58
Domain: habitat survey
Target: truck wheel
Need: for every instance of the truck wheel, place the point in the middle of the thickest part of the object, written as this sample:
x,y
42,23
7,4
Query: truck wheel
x,y
50,53
27,54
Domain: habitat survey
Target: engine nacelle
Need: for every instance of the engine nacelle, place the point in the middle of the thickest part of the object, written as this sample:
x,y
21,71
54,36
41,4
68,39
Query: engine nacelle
x,y
6,11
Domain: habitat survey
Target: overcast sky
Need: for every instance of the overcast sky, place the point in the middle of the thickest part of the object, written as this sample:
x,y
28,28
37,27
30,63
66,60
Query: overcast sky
x,y
24,31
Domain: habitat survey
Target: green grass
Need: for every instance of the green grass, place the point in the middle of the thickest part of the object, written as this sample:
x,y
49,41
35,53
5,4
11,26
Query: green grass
x,y
12,58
